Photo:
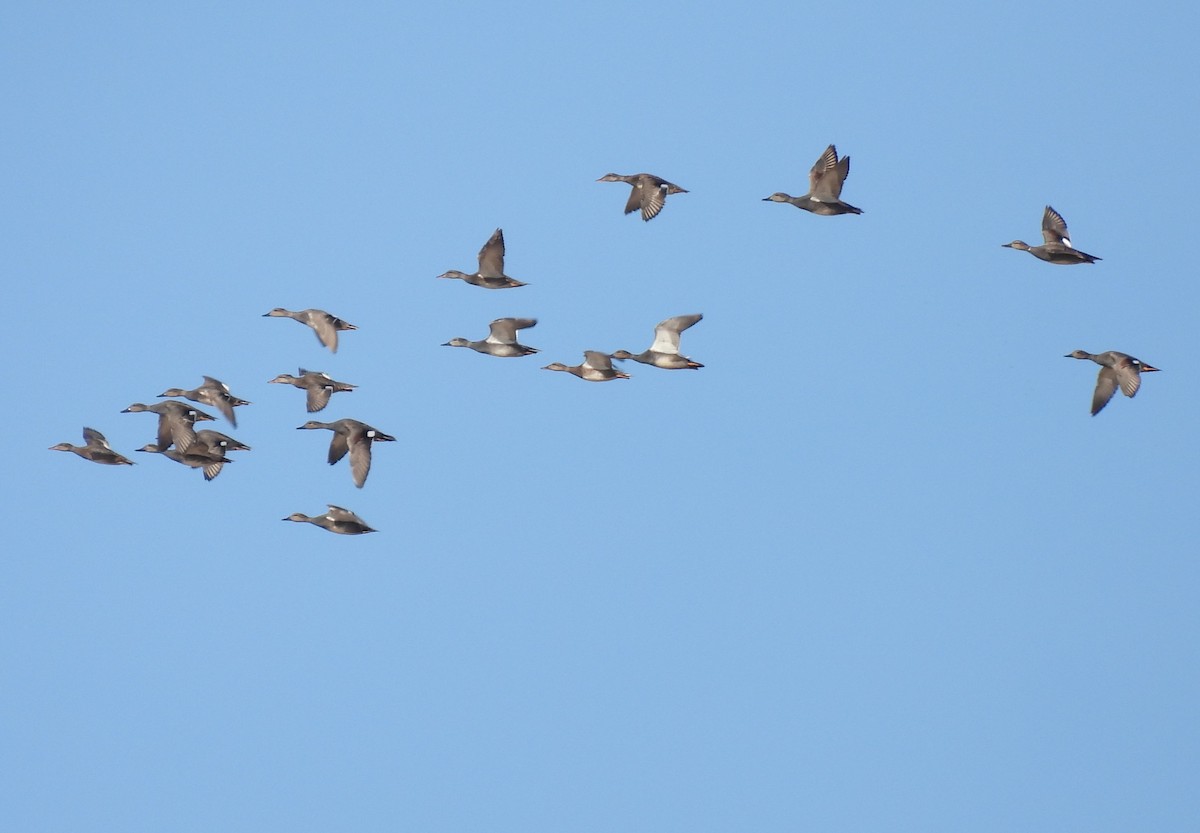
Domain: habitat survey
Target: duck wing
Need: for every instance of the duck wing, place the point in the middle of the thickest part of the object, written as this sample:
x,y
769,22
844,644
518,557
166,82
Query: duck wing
x,y
825,178
1054,228
491,256
1106,386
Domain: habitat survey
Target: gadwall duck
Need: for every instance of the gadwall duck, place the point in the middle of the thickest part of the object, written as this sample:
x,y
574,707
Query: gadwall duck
x,y
824,187
491,266
649,193
199,455
664,352
213,392
96,449
339,520
326,326
175,421
501,340
319,386
355,437
215,439
1117,369
1057,248
596,367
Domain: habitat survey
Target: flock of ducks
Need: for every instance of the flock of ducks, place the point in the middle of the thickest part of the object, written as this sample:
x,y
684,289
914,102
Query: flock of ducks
x,y
177,438
648,195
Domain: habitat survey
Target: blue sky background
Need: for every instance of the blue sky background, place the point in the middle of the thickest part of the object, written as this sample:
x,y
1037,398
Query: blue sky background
x,y
874,567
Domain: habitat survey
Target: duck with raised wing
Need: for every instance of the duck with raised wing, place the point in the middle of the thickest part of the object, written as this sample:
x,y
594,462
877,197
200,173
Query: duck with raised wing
x,y
1116,370
199,455
825,182
649,193
95,448
350,435
213,392
491,266
501,340
326,326
175,421
1057,248
664,352
596,367
339,520
319,387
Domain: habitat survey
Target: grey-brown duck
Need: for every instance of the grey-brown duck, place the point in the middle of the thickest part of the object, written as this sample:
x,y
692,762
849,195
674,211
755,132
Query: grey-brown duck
x,y
501,340
350,435
326,326
664,352
175,421
95,448
319,386
825,182
596,367
215,439
649,193
491,266
213,392
199,455
339,520
1057,248
1116,370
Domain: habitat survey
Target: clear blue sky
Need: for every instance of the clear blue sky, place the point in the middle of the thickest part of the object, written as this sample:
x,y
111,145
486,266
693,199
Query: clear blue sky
x,y
873,568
